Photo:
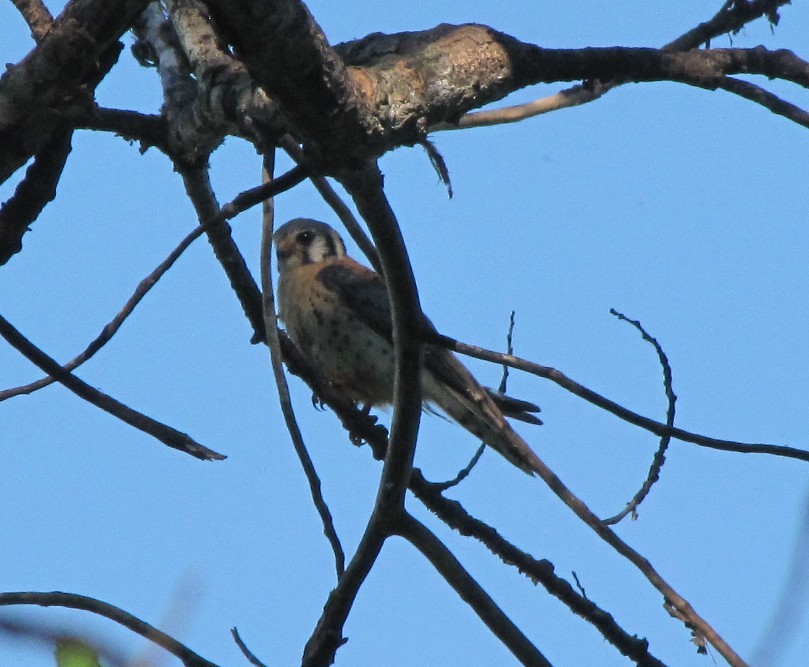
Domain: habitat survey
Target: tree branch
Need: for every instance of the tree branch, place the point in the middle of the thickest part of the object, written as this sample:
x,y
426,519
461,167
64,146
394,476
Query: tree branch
x,y
66,65
470,591
73,601
271,327
36,15
366,189
610,406
660,455
34,192
165,434
198,188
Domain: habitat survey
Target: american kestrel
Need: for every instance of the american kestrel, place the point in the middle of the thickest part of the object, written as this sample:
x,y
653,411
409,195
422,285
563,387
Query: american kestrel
x,y
338,314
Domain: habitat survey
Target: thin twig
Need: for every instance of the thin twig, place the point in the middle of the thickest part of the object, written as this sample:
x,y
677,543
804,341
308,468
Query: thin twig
x,y
464,473
470,591
271,326
165,434
610,406
251,657
281,184
660,455
73,601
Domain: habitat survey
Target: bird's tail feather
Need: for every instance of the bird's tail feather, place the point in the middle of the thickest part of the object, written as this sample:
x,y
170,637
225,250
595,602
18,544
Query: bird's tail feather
x,y
515,408
479,414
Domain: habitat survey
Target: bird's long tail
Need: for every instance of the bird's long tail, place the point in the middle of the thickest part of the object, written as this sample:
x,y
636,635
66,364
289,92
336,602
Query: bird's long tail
x,y
474,409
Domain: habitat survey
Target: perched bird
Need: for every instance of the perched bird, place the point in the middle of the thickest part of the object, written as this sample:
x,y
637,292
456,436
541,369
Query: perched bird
x,y
338,313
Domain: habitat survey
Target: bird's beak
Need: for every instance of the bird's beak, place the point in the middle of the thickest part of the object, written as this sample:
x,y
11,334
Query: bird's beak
x,y
284,249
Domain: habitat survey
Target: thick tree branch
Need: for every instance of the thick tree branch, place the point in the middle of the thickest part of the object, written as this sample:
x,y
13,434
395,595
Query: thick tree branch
x,y
470,591
366,189
286,52
64,67
34,192
732,17
198,188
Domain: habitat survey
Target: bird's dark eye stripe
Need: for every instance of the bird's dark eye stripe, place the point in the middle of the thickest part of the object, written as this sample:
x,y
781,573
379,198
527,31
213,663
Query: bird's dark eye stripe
x,y
305,238
331,249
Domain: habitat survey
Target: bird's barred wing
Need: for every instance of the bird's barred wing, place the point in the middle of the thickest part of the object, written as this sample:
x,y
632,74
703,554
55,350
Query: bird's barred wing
x,y
364,292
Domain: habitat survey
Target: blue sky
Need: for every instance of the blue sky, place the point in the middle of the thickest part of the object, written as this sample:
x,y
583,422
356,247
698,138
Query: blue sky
x,y
680,207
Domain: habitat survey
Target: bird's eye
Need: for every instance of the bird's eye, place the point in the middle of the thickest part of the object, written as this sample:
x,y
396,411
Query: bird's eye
x,y
305,238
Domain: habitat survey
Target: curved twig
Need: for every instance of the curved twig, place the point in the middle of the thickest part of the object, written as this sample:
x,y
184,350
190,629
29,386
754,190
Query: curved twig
x,y
271,326
251,657
366,189
73,601
660,455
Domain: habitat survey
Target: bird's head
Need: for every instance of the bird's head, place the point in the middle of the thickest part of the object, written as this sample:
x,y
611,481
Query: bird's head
x,y
303,241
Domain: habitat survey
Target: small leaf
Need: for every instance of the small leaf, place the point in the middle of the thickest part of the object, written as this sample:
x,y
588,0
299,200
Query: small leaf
x,y
73,652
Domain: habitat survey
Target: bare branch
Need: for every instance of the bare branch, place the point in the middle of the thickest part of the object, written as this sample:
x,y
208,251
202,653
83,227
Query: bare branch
x,y
286,52
366,189
271,326
165,434
470,591
198,188
361,426
65,66
730,18
660,455
237,205
251,657
148,130
452,513
36,15
73,601
754,93
610,406
34,192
